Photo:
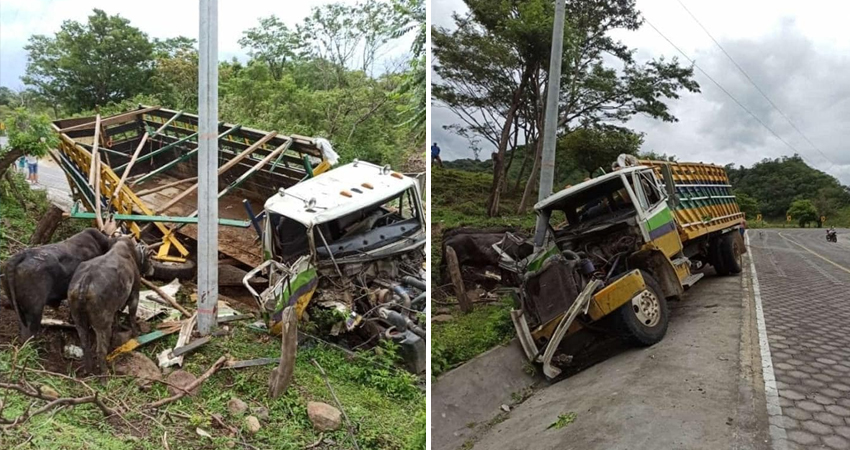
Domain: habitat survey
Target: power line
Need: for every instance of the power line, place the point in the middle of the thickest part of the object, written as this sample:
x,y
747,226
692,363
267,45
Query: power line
x,y
721,87
747,76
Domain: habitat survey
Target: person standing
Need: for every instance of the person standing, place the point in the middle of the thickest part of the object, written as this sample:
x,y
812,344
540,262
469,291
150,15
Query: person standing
x,y
435,155
32,165
22,164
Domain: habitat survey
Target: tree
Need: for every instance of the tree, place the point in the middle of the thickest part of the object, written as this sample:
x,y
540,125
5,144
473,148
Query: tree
x,y
803,211
85,65
412,14
272,43
749,206
29,134
175,76
592,148
492,71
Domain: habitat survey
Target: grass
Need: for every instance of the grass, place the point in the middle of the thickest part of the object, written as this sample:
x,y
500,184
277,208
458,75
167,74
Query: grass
x,y
563,420
386,405
459,199
468,335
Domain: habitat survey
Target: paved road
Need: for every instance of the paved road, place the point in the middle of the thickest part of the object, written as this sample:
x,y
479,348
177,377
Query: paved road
x,y
805,292
700,388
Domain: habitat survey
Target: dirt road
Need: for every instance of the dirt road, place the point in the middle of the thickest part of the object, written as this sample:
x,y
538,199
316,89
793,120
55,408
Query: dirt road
x,y
700,388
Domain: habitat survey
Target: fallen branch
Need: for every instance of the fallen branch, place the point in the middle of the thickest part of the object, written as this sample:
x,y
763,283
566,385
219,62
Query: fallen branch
x,y
166,297
316,444
71,401
191,387
338,404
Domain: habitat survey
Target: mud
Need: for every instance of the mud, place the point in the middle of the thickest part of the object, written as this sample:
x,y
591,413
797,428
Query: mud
x,y
49,342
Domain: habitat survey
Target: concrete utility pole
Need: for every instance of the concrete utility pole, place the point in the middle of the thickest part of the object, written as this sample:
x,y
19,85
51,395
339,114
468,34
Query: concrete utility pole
x,y
208,166
550,131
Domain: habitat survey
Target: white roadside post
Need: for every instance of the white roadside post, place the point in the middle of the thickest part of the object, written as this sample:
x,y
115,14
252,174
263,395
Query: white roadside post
x,y
550,124
208,166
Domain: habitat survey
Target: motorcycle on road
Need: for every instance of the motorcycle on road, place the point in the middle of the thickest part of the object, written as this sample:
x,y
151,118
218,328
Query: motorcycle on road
x,y
831,236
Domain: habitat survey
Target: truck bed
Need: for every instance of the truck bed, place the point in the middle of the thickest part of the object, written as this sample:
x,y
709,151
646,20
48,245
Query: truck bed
x,y
706,202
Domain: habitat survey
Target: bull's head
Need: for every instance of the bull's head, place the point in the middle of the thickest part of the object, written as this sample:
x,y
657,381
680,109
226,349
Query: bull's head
x,y
144,255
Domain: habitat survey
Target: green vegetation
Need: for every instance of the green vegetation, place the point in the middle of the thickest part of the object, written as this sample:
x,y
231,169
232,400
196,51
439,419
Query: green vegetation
x,y
384,404
776,184
563,420
325,78
468,335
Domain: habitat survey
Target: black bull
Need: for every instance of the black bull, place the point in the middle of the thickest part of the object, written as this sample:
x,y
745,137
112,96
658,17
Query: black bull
x,y
39,276
474,248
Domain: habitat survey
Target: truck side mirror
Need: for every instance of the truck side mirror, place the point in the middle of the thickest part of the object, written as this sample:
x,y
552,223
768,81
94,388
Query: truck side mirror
x,y
670,187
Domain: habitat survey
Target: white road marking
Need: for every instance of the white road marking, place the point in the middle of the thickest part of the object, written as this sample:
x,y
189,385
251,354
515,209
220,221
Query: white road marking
x,y
777,431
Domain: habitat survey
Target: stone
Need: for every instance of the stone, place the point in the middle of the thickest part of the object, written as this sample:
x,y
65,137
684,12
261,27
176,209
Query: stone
x,y
261,412
139,366
506,408
181,379
252,424
236,407
49,392
442,318
323,416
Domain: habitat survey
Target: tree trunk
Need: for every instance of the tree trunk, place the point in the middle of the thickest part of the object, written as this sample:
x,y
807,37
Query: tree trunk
x,y
8,159
499,158
513,154
457,280
47,225
281,376
532,178
524,163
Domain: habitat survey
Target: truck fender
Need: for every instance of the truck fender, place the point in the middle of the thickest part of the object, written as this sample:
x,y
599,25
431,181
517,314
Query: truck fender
x,y
654,262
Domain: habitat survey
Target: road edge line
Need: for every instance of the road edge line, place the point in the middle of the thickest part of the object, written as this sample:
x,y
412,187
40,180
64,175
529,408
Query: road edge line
x,y
777,432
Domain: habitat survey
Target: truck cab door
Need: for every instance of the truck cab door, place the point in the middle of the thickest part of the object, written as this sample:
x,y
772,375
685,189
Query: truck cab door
x,y
657,223
289,285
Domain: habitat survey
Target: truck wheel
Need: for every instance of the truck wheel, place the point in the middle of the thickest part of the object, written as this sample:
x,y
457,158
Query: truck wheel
x,y
169,270
715,256
730,253
644,319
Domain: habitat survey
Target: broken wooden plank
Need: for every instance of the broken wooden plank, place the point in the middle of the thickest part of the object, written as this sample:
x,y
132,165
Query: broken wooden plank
x,y
457,280
95,145
224,168
166,297
130,165
132,344
110,120
165,186
178,351
234,317
250,363
281,376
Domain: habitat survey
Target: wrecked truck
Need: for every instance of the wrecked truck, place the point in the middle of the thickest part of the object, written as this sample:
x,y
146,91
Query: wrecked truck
x,y
351,241
617,247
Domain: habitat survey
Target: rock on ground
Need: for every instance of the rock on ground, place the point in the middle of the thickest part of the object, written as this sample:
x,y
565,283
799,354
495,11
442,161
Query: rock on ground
x,y
252,424
442,318
181,379
236,406
261,412
324,417
139,366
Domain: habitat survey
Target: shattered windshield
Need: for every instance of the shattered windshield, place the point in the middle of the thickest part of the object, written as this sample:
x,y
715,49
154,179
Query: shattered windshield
x,y
391,221
605,201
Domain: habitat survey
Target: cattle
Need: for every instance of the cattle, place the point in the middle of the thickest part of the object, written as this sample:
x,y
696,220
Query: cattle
x,y
101,288
39,276
474,249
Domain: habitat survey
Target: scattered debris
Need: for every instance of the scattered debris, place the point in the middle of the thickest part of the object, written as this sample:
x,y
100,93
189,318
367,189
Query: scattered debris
x,y
151,306
250,363
72,351
213,369
323,416
47,322
281,376
506,408
179,380
166,297
165,329
182,350
202,433
167,357
252,424
236,406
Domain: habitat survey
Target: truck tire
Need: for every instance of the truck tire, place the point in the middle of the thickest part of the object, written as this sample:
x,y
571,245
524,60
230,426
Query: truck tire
x,y
168,270
644,320
715,256
730,253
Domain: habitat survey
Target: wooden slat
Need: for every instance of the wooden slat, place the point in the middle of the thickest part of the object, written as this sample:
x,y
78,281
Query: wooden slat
x,y
110,120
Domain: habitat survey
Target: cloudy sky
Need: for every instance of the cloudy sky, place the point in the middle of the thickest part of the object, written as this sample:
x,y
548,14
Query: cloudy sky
x,y
19,19
797,52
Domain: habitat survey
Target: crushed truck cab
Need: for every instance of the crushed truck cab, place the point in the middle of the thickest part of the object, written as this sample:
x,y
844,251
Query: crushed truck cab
x,y
351,240
620,245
